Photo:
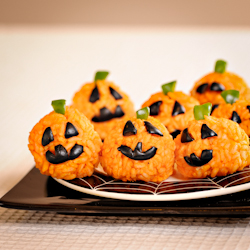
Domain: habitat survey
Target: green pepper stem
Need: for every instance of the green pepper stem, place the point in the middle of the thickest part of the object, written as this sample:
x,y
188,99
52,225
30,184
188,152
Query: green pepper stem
x,y
201,110
168,87
101,75
220,66
59,106
143,113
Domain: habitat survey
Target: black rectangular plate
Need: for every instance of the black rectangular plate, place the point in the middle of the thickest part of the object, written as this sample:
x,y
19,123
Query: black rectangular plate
x,y
39,192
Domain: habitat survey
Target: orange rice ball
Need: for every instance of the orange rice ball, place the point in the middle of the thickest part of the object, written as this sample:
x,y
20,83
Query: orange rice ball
x,y
211,147
238,112
174,122
65,146
104,104
138,150
209,87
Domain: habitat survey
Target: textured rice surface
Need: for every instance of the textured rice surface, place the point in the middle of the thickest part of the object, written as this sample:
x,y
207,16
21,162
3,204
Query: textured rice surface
x,y
178,122
156,169
82,103
80,167
227,79
231,151
226,111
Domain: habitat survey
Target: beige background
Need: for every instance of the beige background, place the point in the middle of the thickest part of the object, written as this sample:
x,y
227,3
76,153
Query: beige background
x,y
160,13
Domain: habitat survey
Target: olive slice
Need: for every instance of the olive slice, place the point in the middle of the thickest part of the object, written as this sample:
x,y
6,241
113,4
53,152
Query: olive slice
x,y
47,136
207,132
152,129
178,109
129,129
175,133
94,95
155,108
186,137
60,156
235,117
195,161
70,130
75,152
202,88
217,87
115,94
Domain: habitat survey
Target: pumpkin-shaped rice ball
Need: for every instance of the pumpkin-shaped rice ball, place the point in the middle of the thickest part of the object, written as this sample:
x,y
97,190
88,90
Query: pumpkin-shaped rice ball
x,y
139,149
209,87
103,103
173,108
211,147
64,144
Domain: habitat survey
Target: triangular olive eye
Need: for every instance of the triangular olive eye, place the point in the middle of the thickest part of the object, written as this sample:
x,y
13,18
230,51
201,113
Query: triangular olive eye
x,y
248,107
118,112
175,133
47,136
152,129
70,130
94,95
202,88
207,132
236,117
155,108
215,106
129,129
115,94
217,87
186,137
178,109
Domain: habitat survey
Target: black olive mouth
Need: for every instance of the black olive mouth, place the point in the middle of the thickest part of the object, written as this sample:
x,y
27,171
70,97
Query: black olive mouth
x,y
61,155
106,114
137,154
195,161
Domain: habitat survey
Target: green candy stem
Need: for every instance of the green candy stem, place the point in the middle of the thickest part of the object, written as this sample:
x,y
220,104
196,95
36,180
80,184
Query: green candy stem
x,y
59,106
220,66
101,75
230,96
168,87
143,113
201,110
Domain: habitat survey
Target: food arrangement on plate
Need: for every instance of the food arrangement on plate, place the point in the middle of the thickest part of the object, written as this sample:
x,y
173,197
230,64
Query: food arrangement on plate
x,y
171,133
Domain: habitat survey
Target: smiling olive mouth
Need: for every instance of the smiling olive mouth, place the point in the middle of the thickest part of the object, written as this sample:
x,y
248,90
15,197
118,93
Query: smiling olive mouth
x,y
137,154
106,114
195,161
61,155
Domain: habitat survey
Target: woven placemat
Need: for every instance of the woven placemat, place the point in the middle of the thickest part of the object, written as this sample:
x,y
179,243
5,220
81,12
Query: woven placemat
x,y
21,229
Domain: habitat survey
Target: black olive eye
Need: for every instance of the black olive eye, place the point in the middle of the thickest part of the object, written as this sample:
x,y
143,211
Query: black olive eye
x,y
70,130
202,88
47,136
248,107
215,106
94,95
115,94
207,132
186,137
235,117
152,129
178,109
217,87
175,133
129,129
155,108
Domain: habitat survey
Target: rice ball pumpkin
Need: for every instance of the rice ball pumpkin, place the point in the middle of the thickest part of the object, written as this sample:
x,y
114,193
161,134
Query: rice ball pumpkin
x,y
139,149
64,143
209,87
103,103
211,146
234,109
173,108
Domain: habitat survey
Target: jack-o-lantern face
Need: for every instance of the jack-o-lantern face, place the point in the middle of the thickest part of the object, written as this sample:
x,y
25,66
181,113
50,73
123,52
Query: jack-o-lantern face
x,y
104,104
209,87
238,112
174,110
138,149
211,147
137,153
61,155
65,146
